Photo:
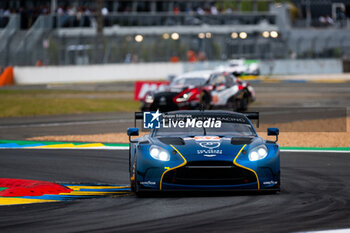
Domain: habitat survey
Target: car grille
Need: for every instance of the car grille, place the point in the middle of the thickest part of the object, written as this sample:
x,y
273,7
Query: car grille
x,y
164,99
209,173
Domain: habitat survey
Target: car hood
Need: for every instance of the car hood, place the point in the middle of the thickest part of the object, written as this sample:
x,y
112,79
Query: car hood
x,y
173,89
211,147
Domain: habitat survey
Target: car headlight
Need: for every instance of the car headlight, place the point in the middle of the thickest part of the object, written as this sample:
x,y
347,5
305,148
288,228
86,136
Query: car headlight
x,y
149,99
184,97
192,94
159,153
258,153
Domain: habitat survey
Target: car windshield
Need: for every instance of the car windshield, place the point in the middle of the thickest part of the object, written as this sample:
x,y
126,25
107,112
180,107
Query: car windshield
x,y
226,129
233,65
188,82
217,79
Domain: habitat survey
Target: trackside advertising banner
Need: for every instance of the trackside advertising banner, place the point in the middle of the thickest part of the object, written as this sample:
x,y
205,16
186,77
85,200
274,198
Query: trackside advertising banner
x,y
142,87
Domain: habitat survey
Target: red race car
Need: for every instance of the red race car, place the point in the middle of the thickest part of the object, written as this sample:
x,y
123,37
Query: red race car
x,y
201,89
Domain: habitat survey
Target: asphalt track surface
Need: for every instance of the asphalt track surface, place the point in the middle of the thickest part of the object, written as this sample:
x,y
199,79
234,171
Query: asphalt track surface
x,y
315,195
315,186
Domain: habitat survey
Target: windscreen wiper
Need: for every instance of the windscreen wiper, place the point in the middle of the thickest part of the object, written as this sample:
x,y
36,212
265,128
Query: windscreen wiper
x,y
202,111
205,131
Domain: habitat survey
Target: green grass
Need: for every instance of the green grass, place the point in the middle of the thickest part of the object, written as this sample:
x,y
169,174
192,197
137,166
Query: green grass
x,y
14,103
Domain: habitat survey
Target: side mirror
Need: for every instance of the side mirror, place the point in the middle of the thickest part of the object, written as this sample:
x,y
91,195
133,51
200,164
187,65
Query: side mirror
x,y
273,132
132,132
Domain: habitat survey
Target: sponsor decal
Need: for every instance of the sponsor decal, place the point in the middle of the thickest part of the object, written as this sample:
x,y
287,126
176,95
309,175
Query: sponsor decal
x,y
151,120
214,99
207,138
148,182
162,100
206,155
270,182
156,120
142,87
233,119
192,123
209,152
209,145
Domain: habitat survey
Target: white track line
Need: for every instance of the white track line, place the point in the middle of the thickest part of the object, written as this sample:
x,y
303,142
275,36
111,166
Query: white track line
x,y
347,230
326,151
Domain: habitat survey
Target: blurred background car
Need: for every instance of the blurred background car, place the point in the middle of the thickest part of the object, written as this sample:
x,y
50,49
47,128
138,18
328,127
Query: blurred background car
x,y
201,89
241,67
187,91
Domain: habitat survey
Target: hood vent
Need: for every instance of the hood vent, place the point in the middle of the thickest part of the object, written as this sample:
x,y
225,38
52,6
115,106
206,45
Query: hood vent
x,y
172,140
241,140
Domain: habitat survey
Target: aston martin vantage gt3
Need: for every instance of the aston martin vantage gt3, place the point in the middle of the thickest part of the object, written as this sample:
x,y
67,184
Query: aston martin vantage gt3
x,y
202,150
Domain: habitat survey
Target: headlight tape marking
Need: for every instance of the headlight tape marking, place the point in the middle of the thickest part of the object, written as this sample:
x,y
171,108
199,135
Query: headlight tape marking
x,y
183,164
235,163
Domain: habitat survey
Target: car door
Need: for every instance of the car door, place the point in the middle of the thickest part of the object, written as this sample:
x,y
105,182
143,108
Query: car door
x,y
224,89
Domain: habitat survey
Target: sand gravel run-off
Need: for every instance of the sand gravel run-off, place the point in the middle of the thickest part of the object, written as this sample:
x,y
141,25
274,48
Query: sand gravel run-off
x,y
291,134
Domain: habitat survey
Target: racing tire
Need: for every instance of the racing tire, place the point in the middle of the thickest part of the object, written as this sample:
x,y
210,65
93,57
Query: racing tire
x,y
243,105
139,193
132,186
277,187
233,104
271,192
205,100
131,172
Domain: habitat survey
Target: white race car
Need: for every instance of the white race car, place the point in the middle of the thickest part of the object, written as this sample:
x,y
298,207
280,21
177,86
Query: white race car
x,y
201,89
241,67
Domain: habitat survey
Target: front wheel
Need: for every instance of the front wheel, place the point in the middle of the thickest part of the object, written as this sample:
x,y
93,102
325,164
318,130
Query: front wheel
x,y
233,104
139,193
244,102
133,177
132,185
205,100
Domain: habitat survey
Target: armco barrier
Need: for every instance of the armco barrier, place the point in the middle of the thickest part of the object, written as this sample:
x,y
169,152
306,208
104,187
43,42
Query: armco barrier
x,y
160,71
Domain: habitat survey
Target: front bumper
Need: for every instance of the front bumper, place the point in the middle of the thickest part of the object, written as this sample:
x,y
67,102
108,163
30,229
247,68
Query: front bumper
x,y
200,175
228,173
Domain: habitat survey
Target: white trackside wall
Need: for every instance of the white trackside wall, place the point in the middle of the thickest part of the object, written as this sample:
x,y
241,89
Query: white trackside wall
x,y
161,71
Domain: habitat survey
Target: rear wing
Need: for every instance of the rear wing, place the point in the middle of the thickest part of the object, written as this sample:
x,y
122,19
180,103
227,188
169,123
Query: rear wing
x,y
253,116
